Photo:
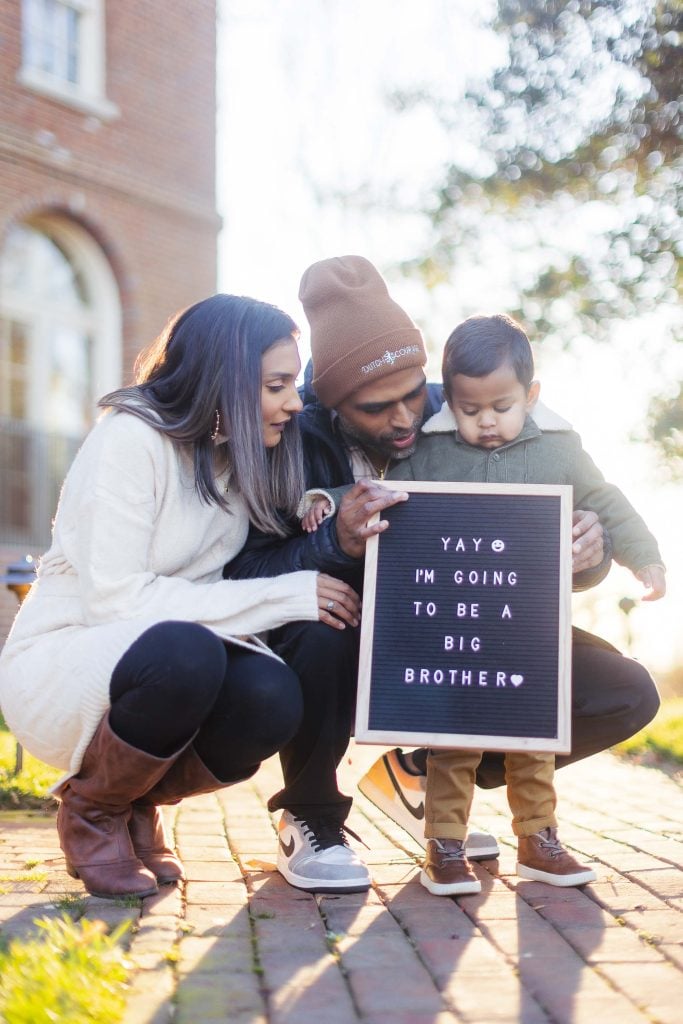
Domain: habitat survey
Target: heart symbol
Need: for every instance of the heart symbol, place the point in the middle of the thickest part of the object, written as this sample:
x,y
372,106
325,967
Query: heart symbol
x,y
516,680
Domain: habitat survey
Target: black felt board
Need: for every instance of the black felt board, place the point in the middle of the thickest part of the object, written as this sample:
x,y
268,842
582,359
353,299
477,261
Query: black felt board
x,y
466,635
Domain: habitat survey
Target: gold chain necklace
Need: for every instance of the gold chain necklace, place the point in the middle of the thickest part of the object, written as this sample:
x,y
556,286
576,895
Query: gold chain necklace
x,y
384,469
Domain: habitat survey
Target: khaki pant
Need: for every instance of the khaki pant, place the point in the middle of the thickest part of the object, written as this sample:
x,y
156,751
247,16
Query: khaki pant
x,y
450,788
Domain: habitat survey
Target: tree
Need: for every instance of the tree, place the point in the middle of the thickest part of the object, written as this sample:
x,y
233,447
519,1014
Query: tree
x,y
578,142
666,429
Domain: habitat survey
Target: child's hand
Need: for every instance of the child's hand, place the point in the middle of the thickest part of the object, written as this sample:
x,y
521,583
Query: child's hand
x,y
312,519
654,578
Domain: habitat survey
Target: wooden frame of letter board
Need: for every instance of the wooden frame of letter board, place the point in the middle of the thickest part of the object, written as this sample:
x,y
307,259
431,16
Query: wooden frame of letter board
x,y
395,737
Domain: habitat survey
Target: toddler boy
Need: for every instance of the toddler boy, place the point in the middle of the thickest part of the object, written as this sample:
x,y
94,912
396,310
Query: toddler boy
x,y
483,433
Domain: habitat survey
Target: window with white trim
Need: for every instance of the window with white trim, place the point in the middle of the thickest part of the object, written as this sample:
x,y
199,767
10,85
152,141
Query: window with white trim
x,y
60,350
63,52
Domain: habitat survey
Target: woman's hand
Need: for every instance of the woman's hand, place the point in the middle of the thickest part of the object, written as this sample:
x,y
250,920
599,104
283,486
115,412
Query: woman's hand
x,y
338,603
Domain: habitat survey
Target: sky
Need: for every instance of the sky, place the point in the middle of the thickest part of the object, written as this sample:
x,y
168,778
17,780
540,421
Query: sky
x,y
305,122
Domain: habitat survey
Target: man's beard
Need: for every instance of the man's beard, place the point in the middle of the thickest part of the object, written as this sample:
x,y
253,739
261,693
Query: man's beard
x,y
380,446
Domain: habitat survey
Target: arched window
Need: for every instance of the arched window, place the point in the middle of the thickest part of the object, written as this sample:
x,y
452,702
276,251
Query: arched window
x,y
60,349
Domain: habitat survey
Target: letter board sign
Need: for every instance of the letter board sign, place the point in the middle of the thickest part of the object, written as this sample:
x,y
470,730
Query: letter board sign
x,y
466,635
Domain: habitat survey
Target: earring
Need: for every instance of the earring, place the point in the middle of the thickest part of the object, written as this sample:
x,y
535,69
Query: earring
x,y
216,427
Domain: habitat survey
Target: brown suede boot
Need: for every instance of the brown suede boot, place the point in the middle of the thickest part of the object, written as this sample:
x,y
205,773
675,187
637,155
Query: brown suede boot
x,y
148,836
187,776
446,870
94,812
542,858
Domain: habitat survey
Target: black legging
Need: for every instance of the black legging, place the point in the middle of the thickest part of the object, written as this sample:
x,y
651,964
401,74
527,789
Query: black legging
x,y
179,681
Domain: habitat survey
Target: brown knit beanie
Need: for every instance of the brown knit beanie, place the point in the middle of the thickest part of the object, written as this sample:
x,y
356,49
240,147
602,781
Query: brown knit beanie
x,y
358,333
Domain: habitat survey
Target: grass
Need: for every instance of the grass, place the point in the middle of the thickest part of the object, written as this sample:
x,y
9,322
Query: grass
x,y
662,739
70,971
29,789
25,876
71,904
128,902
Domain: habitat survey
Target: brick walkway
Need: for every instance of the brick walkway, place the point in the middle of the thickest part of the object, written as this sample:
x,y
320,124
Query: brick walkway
x,y
239,945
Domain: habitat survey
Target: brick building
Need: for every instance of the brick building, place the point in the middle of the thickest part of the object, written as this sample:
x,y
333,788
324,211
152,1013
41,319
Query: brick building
x,y
107,221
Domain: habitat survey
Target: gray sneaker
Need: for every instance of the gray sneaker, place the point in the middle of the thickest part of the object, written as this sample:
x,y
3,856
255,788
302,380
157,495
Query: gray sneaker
x,y
314,855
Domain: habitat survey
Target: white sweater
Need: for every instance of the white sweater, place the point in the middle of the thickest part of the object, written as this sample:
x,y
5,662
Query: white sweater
x,y
133,545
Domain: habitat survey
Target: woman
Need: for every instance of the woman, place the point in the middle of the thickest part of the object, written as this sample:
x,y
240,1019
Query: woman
x,y
132,664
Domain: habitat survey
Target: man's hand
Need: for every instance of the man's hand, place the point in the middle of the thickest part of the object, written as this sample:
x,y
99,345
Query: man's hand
x,y
587,549
357,506
338,603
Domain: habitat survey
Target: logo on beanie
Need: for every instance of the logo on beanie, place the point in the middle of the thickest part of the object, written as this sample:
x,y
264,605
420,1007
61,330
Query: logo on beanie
x,y
389,358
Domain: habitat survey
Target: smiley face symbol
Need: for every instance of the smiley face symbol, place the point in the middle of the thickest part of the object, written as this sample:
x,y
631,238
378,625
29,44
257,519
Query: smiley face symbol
x,y
497,545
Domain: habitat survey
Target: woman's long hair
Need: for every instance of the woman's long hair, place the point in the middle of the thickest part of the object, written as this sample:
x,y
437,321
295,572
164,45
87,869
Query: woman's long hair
x,y
208,359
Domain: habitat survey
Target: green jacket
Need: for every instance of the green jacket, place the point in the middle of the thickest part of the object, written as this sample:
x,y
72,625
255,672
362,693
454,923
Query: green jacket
x,y
536,456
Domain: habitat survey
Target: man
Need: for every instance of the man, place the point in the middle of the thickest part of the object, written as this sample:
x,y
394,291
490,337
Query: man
x,y
364,406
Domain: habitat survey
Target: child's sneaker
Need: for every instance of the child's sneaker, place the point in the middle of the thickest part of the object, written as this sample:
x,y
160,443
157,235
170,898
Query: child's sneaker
x,y
543,858
401,796
314,855
446,870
